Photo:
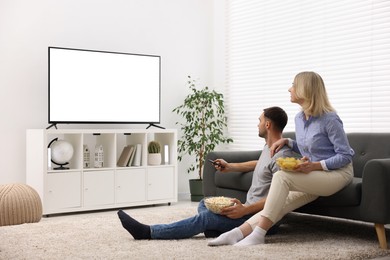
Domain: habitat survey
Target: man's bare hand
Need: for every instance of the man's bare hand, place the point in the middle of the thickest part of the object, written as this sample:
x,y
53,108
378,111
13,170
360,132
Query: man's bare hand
x,y
221,165
235,211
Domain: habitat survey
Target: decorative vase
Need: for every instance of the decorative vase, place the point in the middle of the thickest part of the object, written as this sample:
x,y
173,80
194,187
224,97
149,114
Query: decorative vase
x,y
154,158
196,189
99,156
86,156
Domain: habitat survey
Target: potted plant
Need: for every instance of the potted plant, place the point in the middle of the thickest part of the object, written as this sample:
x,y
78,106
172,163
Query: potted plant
x,y
154,153
202,128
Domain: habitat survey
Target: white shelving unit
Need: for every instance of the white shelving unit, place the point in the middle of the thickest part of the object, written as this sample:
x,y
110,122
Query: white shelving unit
x,y
82,189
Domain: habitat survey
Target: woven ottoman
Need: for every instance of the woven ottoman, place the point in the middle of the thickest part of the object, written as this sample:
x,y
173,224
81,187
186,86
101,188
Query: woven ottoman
x,y
19,203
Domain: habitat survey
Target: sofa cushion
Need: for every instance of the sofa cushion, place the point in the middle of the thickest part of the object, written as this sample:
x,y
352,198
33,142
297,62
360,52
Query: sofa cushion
x,y
368,146
348,196
234,180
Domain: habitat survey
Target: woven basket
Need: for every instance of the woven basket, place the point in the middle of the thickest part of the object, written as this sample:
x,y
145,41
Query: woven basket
x,y
19,203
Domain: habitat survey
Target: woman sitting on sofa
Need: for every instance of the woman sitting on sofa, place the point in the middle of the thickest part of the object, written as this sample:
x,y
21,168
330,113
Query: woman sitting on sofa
x,y
326,167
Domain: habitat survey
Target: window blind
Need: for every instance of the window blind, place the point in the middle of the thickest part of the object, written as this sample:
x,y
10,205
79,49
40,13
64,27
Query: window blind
x,y
268,42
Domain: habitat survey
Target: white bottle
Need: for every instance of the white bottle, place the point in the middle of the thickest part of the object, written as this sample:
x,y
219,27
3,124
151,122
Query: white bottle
x,y
49,158
99,156
166,154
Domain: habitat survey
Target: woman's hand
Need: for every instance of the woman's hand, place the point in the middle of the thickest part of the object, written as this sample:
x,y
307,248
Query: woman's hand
x,y
275,147
308,166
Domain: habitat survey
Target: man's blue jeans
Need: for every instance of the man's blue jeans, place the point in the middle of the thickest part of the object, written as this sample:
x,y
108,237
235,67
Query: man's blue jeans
x,y
205,220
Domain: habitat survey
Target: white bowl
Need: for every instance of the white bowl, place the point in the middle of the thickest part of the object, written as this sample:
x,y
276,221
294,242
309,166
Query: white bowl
x,y
216,204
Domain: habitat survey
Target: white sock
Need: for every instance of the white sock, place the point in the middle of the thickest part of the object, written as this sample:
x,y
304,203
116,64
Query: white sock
x,y
255,238
228,238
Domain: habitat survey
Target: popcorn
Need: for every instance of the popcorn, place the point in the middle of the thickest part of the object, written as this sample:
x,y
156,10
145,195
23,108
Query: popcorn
x,y
288,163
216,204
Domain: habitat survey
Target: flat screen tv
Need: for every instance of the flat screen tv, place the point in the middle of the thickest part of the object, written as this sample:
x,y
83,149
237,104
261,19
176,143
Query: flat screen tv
x,y
102,87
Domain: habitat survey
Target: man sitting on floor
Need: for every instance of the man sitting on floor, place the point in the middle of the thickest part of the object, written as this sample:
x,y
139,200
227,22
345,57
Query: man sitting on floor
x,y
271,124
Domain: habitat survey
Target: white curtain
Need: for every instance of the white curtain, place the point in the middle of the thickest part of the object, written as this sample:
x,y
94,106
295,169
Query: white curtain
x,y
268,42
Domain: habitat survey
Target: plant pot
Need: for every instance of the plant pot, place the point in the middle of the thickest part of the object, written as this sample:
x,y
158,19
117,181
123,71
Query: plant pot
x,y
154,158
196,189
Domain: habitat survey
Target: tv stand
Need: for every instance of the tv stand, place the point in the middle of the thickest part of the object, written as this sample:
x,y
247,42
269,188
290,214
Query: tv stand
x,y
150,125
83,187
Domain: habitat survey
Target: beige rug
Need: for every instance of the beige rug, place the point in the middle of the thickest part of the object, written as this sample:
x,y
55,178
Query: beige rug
x,y
100,236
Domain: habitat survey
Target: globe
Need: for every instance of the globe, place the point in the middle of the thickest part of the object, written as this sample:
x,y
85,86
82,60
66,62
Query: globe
x,y
61,152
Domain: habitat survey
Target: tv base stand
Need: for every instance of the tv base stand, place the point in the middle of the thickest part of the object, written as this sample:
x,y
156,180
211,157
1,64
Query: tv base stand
x,y
150,125
50,126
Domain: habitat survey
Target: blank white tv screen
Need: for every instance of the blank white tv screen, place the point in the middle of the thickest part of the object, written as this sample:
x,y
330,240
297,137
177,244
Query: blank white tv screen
x,y
88,86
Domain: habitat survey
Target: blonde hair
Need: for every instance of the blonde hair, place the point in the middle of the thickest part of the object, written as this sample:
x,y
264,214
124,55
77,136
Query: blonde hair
x,y
310,87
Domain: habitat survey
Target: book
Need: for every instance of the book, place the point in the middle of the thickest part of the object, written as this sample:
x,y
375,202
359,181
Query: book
x,y
130,161
124,157
137,157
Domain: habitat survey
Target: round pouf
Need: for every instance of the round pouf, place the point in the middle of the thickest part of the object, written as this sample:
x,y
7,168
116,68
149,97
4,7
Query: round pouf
x,y
19,203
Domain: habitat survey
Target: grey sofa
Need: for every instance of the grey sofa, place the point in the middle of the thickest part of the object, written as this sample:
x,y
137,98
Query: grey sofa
x,y
367,198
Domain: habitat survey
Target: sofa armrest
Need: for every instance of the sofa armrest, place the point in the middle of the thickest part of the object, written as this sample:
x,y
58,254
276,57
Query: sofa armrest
x,y
209,171
375,204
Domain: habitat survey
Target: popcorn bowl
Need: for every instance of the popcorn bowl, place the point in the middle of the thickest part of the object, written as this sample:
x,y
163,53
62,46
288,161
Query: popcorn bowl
x,y
216,204
288,163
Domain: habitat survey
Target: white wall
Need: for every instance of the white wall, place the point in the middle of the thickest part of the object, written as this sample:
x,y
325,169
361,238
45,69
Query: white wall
x,y
181,31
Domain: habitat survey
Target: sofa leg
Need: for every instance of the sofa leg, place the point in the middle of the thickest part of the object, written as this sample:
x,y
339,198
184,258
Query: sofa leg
x,y
380,232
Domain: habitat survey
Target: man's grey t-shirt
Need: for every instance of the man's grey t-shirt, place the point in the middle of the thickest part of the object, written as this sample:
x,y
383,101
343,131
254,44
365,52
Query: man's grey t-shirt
x,y
262,175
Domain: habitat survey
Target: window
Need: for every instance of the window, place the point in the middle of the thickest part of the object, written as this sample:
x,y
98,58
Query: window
x,y
268,42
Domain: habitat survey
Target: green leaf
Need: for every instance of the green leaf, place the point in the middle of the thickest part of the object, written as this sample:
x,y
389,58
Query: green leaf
x,y
203,124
